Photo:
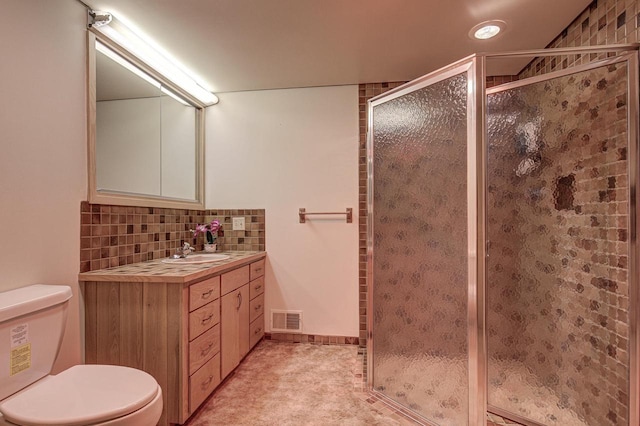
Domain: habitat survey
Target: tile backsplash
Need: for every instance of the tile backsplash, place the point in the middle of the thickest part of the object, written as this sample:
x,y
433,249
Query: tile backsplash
x,y
120,235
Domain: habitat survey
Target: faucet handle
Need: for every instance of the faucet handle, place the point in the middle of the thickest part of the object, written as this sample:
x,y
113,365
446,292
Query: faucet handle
x,y
187,248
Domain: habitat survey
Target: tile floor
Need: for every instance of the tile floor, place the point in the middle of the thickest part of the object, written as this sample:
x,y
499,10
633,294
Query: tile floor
x,y
282,383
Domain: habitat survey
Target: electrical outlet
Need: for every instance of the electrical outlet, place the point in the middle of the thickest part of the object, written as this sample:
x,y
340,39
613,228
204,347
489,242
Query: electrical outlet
x,y
238,223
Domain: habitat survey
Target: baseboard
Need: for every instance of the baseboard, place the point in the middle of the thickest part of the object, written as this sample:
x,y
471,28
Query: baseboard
x,y
312,338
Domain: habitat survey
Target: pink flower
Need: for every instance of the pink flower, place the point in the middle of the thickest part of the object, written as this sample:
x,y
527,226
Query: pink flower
x,y
199,229
209,229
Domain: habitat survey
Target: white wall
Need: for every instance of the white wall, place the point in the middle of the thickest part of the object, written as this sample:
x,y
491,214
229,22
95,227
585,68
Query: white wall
x,y
285,149
42,149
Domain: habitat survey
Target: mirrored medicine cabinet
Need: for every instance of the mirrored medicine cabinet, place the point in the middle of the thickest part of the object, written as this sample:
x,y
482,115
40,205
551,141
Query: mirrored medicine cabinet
x,y
145,134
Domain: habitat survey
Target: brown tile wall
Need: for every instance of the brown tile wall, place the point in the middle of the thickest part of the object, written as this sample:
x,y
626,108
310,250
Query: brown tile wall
x,y
497,80
251,239
603,22
119,235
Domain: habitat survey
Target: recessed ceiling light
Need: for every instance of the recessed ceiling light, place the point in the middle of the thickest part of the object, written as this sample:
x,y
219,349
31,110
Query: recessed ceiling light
x,y
487,30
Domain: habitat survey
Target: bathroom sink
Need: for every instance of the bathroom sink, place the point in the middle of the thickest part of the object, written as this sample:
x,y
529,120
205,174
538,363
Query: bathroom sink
x,y
197,258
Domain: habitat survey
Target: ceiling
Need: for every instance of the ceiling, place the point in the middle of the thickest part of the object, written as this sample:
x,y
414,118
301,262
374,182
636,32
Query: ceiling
x,y
236,45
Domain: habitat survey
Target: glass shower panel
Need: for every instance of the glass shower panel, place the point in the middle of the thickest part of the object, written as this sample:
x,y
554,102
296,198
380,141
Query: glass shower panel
x,y
557,278
420,354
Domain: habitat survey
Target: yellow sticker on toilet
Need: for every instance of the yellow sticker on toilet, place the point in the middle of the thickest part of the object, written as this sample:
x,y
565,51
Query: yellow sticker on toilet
x,y
20,358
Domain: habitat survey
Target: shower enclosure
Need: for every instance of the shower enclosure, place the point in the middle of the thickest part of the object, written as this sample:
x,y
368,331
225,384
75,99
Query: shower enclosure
x,y
502,250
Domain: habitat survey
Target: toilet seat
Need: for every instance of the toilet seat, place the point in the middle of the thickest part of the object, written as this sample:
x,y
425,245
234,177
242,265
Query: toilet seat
x,y
82,395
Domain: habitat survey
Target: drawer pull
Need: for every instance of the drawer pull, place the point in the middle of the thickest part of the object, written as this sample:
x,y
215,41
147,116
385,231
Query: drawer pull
x,y
206,350
207,382
258,307
258,287
206,320
258,330
207,294
258,269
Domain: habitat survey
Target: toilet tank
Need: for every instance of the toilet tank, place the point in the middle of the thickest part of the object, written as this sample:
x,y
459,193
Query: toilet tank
x,y
32,322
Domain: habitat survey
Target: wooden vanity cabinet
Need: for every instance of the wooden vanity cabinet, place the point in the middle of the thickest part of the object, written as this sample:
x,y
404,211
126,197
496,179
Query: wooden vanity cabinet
x,y
188,335
256,305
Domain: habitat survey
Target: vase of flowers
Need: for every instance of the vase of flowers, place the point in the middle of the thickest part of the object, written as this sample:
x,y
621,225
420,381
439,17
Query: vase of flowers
x,y
210,231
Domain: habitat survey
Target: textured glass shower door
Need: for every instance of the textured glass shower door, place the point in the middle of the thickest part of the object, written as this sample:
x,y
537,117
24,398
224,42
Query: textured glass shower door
x,y
418,155
558,208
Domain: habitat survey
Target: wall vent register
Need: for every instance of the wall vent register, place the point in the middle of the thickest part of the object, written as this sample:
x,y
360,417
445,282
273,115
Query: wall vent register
x,y
286,321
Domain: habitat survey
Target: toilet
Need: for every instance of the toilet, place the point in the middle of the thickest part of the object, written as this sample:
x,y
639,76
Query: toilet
x,y
32,322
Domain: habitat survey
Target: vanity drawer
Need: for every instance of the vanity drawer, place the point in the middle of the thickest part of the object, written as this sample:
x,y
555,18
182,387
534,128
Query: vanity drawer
x,y
203,292
203,382
257,269
204,318
203,348
256,287
256,307
256,331
234,279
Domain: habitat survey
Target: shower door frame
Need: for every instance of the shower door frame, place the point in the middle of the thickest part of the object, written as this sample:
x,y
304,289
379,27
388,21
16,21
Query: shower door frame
x,y
475,66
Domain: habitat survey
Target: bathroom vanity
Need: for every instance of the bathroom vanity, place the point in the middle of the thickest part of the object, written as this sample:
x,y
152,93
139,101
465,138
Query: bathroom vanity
x,y
188,325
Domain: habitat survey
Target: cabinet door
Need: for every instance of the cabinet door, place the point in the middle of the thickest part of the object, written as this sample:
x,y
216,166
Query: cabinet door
x,y
243,322
234,324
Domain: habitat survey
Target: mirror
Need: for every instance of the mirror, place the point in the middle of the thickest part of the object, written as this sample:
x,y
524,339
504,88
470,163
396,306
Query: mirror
x,y
145,137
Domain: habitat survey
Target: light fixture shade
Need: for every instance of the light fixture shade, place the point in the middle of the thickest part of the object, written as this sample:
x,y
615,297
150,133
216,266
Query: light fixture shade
x,y
486,30
134,44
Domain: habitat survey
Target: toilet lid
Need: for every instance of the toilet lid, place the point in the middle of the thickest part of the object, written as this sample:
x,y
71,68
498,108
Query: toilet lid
x,y
81,395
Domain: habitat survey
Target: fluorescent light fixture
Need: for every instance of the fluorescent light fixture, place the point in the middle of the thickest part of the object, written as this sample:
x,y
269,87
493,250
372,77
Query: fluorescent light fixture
x,y
173,95
487,30
137,71
133,43
126,64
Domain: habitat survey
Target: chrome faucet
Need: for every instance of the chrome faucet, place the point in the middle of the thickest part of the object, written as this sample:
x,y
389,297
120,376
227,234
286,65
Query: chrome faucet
x,y
184,251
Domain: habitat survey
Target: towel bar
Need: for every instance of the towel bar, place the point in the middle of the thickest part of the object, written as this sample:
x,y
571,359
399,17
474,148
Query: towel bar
x,y
303,213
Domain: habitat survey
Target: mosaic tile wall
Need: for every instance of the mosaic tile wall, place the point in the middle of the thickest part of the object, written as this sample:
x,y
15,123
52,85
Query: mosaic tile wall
x,y
603,22
118,235
557,271
500,79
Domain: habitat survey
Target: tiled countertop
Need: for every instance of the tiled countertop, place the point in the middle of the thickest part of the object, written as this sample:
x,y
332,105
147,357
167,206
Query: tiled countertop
x,y
156,271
